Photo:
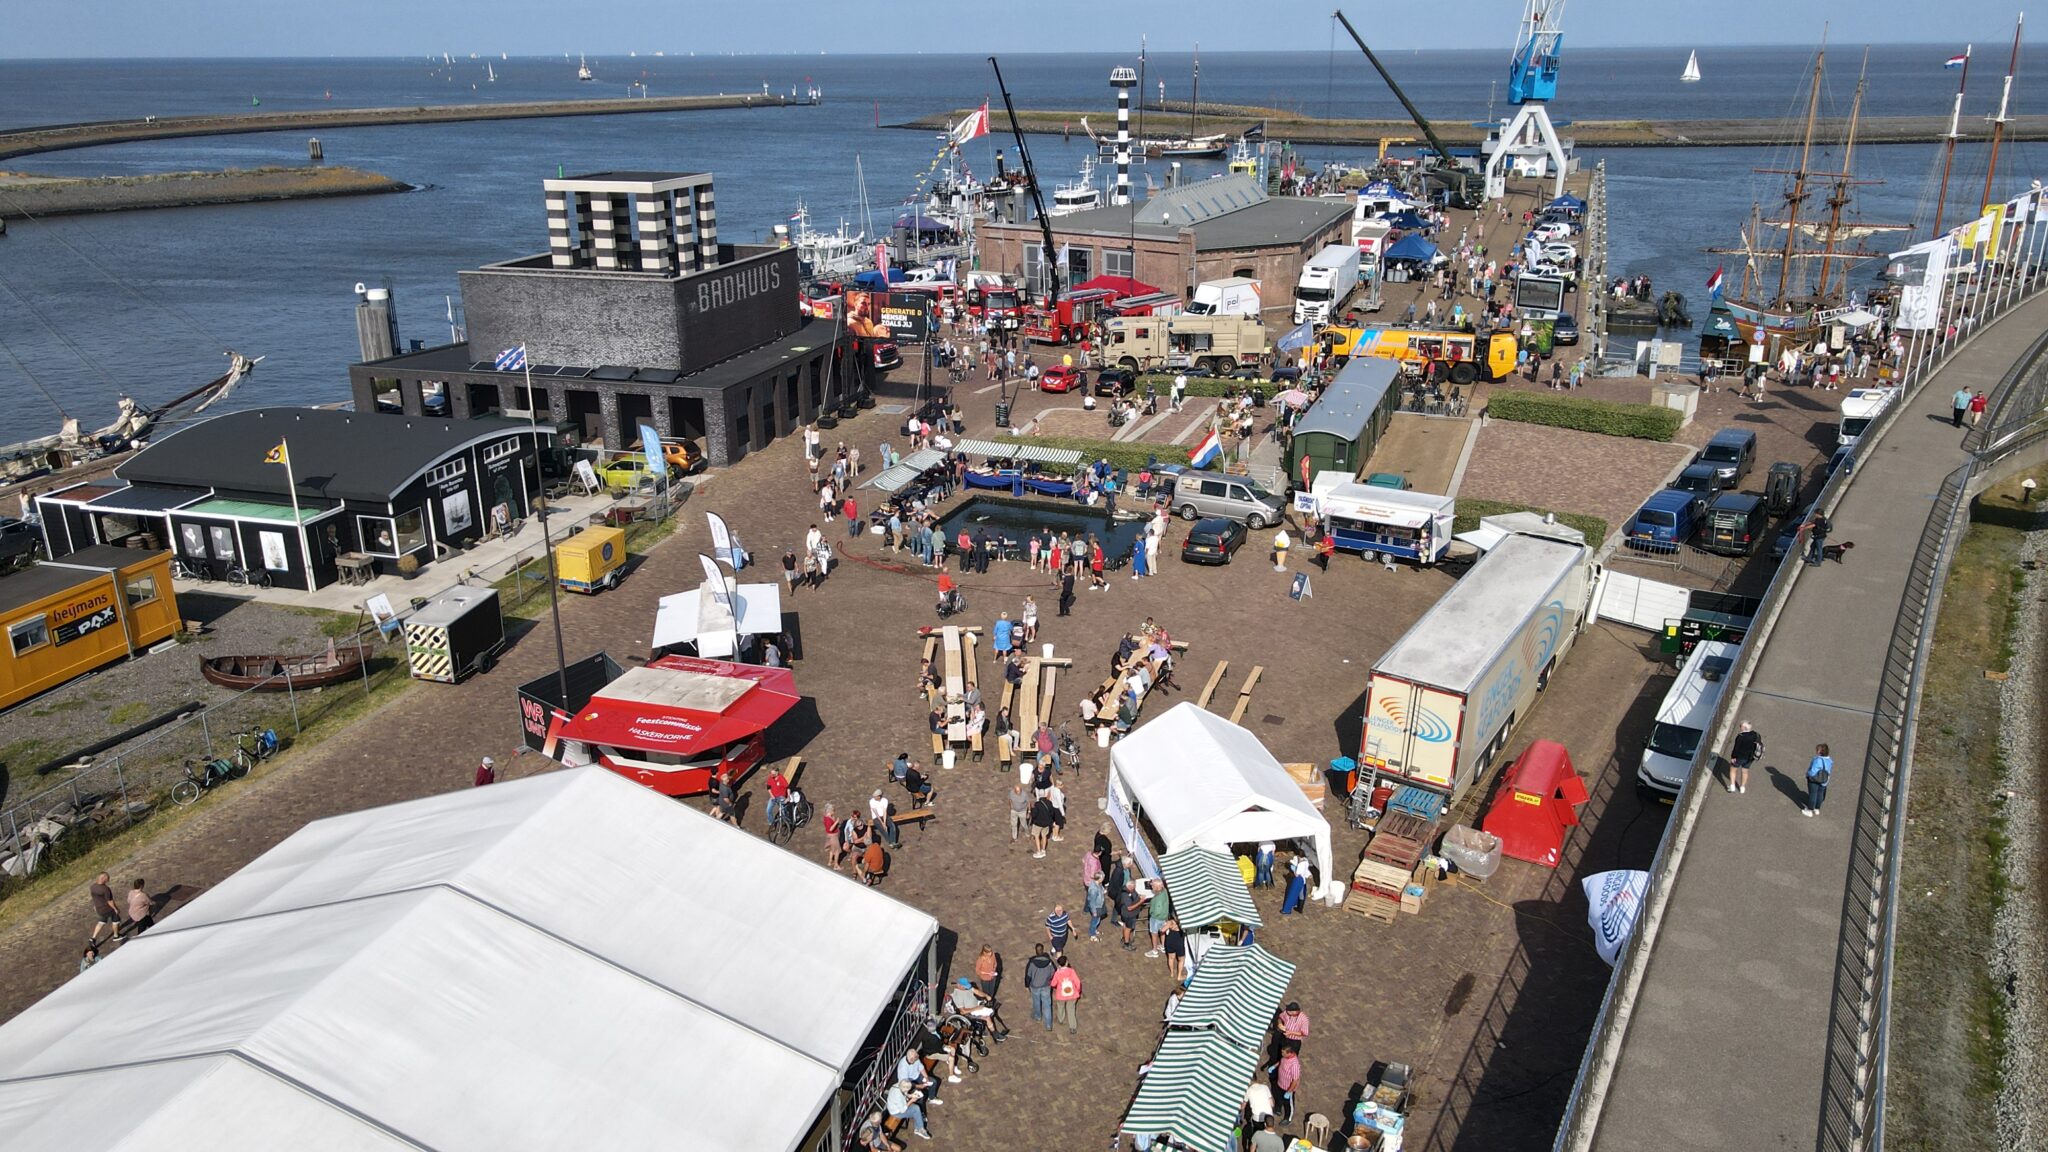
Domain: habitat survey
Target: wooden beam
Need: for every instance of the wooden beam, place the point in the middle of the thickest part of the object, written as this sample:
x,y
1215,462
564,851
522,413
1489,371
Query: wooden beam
x,y
1244,694
1209,689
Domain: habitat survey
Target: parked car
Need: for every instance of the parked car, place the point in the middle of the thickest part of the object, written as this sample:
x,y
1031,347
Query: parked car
x,y
1666,520
1551,230
1553,270
1115,382
1564,330
1212,541
1702,478
627,473
1060,378
1781,487
1555,252
683,456
1735,524
1732,452
1198,494
20,542
1788,536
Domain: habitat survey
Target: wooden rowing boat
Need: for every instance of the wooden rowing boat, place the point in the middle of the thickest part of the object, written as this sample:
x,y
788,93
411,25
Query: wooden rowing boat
x,y
277,673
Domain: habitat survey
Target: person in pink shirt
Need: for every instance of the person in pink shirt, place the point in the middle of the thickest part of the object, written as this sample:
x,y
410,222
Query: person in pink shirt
x,y
1066,994
1287,1075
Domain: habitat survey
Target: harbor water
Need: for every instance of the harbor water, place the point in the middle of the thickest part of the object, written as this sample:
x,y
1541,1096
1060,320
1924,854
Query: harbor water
x,y
146,302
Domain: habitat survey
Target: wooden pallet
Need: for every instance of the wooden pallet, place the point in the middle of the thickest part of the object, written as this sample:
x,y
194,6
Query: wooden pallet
x,y
1372,907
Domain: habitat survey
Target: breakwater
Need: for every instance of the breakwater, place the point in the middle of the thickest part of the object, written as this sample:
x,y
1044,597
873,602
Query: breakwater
x,y
24,196
1233,120
57,137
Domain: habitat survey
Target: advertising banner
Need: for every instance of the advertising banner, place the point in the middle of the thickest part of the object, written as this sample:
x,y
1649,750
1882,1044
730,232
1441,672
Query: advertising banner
x,y
904,317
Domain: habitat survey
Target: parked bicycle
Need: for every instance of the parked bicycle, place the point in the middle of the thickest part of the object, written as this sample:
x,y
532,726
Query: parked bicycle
x,y
203,774
194,570
794,814
254,746
241,577
1070,750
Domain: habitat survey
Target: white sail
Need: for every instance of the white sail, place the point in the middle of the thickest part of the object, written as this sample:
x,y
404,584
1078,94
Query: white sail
x,y
1691,75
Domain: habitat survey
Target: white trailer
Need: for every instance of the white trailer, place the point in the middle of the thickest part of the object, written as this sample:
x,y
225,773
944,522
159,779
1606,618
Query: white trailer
x,y
1443,700
1326,280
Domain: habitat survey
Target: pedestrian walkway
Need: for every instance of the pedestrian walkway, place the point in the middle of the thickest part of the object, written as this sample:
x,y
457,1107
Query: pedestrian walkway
x,y
1726,1045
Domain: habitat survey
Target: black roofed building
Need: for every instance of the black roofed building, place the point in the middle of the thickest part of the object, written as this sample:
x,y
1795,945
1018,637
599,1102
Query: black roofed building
x,y
1204,230
635,315
378,484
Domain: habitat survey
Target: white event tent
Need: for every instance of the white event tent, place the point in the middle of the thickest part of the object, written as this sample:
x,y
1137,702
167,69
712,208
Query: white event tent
x,y
565,961
1197,779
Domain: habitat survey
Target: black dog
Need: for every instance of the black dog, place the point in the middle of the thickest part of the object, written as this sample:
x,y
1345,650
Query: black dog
x,y
1836,552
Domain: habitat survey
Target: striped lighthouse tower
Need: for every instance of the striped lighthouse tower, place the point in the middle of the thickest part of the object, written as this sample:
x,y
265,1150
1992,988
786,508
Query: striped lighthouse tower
x,y
1123,80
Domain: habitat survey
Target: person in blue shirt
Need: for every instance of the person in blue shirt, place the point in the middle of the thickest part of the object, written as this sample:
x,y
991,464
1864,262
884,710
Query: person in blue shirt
x,y
1819,771
1003,629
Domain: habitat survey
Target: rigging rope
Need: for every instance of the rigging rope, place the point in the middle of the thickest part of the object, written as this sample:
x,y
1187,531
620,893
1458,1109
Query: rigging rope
x,y
32,379
116,280
88,361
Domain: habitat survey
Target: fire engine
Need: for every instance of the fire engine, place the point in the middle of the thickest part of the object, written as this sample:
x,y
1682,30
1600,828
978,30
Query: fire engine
x,y
1072,319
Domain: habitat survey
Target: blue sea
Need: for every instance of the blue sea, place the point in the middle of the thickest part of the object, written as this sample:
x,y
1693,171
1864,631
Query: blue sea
x,y
145,302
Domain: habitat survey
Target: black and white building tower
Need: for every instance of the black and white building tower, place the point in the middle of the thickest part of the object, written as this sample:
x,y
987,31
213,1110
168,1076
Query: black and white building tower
x,y
1123,80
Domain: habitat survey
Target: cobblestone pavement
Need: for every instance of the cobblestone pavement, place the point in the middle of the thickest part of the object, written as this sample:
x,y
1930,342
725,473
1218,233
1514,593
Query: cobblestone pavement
x,y
1568,471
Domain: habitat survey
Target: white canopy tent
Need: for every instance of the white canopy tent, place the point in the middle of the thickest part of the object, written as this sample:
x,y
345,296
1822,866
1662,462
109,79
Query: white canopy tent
x,y
699,617
1197,779
545,963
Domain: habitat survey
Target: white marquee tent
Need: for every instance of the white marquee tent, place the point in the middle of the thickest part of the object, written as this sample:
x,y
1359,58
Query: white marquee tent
x,y
565,961
1198,779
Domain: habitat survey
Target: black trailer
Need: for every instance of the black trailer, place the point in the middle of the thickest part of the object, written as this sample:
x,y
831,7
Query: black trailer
x,y
459,632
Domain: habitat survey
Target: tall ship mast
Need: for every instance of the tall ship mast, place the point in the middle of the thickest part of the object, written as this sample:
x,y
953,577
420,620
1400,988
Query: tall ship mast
x,y
1791,288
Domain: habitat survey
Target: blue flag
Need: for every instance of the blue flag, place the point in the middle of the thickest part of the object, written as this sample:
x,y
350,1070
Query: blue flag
x,y
511,359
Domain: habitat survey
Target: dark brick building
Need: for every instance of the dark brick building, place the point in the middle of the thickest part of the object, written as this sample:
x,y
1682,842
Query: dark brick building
x,y
635,315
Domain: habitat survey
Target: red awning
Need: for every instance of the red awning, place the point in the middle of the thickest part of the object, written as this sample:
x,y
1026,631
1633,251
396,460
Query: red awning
x,y
684,706
1121,285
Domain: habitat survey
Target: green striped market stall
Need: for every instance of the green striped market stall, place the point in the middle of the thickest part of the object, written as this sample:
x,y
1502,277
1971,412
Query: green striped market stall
x,y
1206,887
1235,992
1194,1091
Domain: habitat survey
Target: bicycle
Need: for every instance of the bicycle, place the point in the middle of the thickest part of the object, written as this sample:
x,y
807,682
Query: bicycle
x,y
218,770
794,814
241,578
195,571
1070,749
254,746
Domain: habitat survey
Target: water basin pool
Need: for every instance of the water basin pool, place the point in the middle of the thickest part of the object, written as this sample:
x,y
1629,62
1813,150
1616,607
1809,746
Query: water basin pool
x,y
1016,521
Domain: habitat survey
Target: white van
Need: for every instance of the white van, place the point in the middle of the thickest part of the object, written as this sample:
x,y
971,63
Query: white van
x,y
1682,718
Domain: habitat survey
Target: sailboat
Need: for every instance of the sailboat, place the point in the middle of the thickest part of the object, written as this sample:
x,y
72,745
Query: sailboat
x,y
1691,75
490,72
583,68
1794,309
1195,146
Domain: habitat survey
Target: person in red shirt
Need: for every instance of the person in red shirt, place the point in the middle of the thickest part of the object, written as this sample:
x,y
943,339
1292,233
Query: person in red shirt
x,y
486,772
852,511
1095,564
778,794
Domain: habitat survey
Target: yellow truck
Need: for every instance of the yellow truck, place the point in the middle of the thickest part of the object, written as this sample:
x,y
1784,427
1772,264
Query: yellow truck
x,y
592,559
1460,357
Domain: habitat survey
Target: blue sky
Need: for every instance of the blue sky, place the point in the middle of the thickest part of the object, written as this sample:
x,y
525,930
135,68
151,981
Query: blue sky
x,y
121,28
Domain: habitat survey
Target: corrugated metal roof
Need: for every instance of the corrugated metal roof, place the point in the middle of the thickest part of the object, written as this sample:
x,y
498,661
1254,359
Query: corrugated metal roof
x,y
1347,405
898,476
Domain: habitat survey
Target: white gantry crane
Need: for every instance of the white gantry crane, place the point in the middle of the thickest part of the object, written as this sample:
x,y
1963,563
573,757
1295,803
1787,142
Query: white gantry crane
x,y
1532,82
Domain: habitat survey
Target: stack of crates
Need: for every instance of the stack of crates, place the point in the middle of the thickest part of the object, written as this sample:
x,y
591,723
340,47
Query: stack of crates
x,y
1391,860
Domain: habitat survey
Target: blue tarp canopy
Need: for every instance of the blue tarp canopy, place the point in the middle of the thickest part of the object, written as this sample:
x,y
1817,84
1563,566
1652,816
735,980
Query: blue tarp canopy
x,y
1412,247
1408,222
1381,190
921,223
875,280
1568,201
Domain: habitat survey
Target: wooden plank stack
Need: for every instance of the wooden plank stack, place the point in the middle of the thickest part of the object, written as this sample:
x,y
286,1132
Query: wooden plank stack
x,y
1380,883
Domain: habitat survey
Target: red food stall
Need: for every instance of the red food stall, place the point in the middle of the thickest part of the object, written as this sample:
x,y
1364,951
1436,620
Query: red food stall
x,y
677,724
1538,804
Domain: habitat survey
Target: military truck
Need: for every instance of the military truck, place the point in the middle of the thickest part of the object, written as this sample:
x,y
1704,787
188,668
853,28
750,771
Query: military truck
x,y
1217,343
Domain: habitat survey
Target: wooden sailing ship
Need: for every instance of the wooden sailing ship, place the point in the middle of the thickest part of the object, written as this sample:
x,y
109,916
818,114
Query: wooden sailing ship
x,y
1821,243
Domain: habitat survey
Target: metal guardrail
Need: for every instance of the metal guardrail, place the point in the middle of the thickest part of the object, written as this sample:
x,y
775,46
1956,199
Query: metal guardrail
x,y
1858,1033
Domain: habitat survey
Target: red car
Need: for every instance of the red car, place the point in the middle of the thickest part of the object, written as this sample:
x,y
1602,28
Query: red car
x,y
1060,378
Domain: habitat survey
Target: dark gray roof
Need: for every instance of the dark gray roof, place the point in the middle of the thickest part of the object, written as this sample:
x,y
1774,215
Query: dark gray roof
x,y
457,361
1347,404
146,498
103,558
33,584
1276,222
335,455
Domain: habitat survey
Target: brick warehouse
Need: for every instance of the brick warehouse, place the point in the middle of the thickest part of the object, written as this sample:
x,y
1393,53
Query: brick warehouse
x,y
1208,230
636,314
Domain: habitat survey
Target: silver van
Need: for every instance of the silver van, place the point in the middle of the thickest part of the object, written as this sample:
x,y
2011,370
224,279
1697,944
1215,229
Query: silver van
x,y
1682,719
1199,494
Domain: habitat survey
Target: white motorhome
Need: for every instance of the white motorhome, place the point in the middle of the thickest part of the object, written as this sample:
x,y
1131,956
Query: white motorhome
x,y
1860,408
1682,719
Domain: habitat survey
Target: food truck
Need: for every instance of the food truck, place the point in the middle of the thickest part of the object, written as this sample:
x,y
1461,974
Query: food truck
x,y
676,724
1377,521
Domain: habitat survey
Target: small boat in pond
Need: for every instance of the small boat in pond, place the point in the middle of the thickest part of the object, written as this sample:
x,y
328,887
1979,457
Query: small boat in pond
x,y
279,673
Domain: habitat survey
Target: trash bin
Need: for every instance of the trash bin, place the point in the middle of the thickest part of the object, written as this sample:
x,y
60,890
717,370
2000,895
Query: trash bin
x,y
1002,413
1258,397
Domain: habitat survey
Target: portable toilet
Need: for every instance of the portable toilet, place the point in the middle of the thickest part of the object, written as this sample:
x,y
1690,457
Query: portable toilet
x,y
592,559
1538,804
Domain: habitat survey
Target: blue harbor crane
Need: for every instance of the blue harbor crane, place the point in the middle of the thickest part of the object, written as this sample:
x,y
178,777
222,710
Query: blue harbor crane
x,y
1532,84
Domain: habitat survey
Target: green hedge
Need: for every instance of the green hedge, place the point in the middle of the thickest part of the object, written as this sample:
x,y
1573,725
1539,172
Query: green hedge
x,y
1197,386
1635,421
1469,512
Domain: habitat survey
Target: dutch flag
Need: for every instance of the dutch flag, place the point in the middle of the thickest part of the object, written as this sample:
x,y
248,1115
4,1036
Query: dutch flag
x,y
1714,283
1208,451
1956,61
511,359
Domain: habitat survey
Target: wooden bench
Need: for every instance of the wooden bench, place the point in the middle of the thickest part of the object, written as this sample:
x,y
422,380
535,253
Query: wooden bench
x,y
974,742
1209,689
917,816
938,747
1244,694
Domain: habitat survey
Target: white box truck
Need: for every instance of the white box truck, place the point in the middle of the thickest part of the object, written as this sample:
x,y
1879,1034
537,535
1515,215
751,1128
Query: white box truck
x,y
1326,280
1237,296
1443,700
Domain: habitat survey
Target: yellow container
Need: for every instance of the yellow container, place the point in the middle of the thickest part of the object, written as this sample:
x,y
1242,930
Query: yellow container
x,y
592,559
67,617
